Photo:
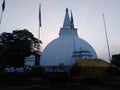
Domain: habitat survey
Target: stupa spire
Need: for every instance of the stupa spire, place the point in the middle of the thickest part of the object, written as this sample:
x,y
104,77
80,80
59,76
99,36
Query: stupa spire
x,y
67,22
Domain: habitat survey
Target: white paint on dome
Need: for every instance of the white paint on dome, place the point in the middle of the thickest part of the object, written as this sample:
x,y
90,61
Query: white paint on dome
x,y
60,50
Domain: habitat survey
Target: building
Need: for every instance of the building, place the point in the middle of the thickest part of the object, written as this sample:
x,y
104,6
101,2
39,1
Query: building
x,y
68,47
30,60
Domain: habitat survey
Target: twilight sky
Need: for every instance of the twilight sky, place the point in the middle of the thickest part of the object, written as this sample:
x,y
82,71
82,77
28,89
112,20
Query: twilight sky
x,y
87,14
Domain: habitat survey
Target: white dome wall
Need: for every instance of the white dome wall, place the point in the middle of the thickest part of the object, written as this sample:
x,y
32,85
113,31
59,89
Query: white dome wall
x,y
61,49
56,52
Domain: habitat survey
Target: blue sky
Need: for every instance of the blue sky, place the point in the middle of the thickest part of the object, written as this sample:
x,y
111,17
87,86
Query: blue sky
x,y
23,14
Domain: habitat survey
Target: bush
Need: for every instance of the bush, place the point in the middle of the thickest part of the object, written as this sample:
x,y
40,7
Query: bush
x,y
75,70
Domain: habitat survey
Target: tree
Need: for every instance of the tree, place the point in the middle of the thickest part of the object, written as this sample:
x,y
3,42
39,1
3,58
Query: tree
x,y
116,60
75,70
16,46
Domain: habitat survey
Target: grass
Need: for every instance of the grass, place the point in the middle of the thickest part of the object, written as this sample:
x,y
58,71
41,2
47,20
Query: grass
x,y
95,68
93,63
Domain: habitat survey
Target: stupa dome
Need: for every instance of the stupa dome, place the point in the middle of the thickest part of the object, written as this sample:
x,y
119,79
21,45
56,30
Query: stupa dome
x,y
68,47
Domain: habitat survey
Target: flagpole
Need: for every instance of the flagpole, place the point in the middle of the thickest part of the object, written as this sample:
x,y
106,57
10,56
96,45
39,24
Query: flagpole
x,y
39,32
38,47
106,37
37,63
1,17
39,21
3,7
39,38
39,26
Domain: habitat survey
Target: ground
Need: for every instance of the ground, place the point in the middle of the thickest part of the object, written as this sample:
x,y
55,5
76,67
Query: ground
x,y
91,87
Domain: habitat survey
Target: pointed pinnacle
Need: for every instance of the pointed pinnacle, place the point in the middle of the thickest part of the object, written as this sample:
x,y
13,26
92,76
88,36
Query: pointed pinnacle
x,y
66,9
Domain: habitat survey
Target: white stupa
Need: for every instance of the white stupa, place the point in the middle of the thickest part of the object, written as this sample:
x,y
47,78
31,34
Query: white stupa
x,y
68,47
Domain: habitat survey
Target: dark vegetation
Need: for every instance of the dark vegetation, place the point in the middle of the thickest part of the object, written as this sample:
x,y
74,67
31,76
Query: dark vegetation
x,y
15,46
78,76
116,60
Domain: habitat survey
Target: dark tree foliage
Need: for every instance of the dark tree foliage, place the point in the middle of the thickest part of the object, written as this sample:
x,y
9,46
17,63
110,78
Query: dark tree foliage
x,y
15,46
75,70
116,60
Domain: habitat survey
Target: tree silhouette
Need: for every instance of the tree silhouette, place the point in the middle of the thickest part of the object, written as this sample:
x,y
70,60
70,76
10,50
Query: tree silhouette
x,y
116,60
16,46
